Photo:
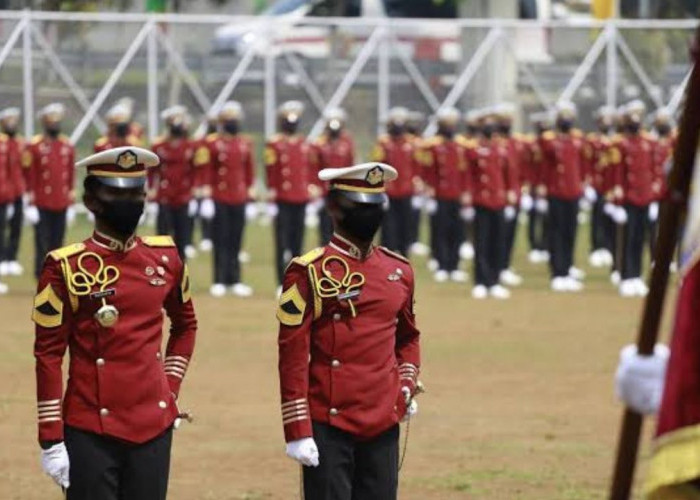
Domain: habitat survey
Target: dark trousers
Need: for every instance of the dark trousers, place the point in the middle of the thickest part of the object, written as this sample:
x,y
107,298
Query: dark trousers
x,y
450,234
511,231
175,222
414,226
600,233
3,223
48,235
563,224
489,241
228,225
635,231
537,226
325,227
396,233
353,469
14,232
103,468
289,234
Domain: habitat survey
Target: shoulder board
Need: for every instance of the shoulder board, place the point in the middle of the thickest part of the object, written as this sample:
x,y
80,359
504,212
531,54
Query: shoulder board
x,y
275,138
591,136
549,135
64,138
435,140
212,137
3,137
395,255
647,135
101,141
467,142
67,251
132,140
310,257
383,138
158,140
37,139
529,138
617,138
158,241
577,132
518,136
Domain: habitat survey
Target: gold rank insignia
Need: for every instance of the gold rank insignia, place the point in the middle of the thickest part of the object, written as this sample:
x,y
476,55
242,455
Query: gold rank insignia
x,y
378,153
202,156
375,176
48,308
291,307
126,160
185,291
270,156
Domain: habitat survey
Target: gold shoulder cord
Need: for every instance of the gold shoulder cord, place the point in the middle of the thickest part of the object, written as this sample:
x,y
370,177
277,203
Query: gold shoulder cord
x,y
80,284
327,286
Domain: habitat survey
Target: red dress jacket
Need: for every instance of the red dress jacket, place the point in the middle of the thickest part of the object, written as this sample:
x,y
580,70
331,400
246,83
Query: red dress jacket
x,y
289,171
51,164
444,165
637,178
343,361
175,179
399,152
228,166
564,164
119,383
332,153
485,178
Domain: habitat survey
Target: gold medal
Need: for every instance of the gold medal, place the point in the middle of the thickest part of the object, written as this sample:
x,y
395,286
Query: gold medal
x,y
107,315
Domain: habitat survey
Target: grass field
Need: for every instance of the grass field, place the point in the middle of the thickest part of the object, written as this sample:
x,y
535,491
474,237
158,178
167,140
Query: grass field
x,y
520,402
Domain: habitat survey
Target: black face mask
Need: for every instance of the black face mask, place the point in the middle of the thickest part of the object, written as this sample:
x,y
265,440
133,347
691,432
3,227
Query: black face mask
x,y
395,129
604,129
446,131
177,130
504,129
411,129
662,130
565,125
633,127
487,130
334,133
362,221
231,127
289,127
121,130
212,128
472,130
121,215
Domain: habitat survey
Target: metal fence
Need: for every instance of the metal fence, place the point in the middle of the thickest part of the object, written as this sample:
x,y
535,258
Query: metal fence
x,y
366,65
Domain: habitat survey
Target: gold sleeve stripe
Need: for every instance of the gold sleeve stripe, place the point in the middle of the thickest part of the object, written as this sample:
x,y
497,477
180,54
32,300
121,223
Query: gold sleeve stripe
x,y
292,307
48,308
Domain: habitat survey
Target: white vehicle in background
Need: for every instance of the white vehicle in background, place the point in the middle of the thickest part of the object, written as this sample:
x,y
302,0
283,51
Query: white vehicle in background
x,y
291,32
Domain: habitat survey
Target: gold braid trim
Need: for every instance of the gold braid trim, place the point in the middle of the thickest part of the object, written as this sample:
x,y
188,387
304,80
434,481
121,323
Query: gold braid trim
x,y
327,286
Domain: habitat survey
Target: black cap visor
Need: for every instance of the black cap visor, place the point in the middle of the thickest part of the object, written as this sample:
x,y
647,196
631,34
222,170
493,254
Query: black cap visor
x,y
123,182
360,197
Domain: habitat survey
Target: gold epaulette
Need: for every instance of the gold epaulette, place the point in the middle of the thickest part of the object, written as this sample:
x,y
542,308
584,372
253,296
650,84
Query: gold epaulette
x,y
211,137
321,140
275,138
549,135
383,138
64,138
158,241
309,257
616,138
395,255
591,136
4,137
101,141
577,132
67,251
37,138
158,140
465,141
132,140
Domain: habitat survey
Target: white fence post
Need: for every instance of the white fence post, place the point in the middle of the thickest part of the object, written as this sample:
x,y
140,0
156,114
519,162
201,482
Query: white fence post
x,y
28,76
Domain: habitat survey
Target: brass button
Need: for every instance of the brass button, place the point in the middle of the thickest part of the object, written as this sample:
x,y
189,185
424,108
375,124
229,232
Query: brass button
x,y
100,362
335,363
158,355
333,412
336,317
104,412
163,404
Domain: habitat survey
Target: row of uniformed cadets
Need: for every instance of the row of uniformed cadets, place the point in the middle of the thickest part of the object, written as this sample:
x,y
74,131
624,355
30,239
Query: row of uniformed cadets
x,y
471,184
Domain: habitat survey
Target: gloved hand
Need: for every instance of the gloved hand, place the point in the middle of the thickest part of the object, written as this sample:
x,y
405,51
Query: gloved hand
x,y
620,216
207,209
152,209
526,203
590,194
509,213
609,210
654,212
272,209
70,215
251,210
584,205
55,463
467,214
10,211
303,451
411,405
639,380
192,208
32,215
430,206
417,202
542,205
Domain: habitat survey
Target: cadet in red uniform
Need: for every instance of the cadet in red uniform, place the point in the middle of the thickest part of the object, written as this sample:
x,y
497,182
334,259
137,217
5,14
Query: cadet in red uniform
x,y
349,352
226,158
333,149
173,182
5,202
563,185
512,146
9,123
414,131
290,182
486,190
595,152
206,243
108,436
664,144
637,181
119,132
536,203
49,158
397,149
444,165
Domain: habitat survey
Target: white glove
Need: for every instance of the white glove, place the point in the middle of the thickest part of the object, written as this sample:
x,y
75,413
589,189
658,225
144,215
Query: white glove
x,y
542,205
411,405
590,194
417,202
654,212
509,212
272,210
192,208
609,210
526,203
430,206
10,211
467,214
207,209
620,216
639,380
55,463
584,205
303,451
70,215
251,210
32,215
